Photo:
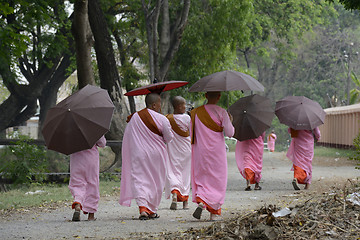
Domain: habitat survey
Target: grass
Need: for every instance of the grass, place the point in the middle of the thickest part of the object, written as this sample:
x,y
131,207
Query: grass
x,y
52,193
333,152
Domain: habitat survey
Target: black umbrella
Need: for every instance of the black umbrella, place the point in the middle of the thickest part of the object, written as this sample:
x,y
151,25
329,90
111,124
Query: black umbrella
x,y
252,116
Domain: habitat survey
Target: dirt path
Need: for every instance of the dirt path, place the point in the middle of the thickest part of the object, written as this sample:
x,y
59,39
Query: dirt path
x,y
114,221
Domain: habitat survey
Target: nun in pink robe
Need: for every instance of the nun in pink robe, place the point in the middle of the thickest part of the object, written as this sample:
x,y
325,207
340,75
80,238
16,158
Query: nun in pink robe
x,y
249,156
209,162
84,177
301,153
271,141
144,156
179,164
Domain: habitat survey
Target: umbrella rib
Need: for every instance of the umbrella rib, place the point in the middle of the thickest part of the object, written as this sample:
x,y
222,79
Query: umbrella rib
x,y
80,129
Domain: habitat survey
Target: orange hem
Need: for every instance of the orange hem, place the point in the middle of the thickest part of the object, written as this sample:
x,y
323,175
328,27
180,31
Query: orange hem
x,y
145,209
180,198
74,203
250,175
210,209
299,174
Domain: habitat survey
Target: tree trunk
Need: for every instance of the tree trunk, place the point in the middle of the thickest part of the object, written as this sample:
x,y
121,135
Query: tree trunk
x,y
151,23
127,66
165,30
83,42
49,94
109,76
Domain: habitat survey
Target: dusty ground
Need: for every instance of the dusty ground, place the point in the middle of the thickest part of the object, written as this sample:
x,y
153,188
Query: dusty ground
x,y
114,221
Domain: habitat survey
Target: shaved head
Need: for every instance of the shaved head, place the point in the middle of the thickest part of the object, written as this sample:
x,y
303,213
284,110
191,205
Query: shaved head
x,y
151,98
177,100
212,95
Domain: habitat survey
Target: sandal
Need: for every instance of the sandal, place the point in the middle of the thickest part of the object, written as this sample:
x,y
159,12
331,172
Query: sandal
x,y
144,216
197,212
257,188
248,188
76,216
294,183
154,215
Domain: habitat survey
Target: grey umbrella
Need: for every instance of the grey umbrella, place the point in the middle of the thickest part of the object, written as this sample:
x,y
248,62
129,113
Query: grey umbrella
x,y
226,81
77,122
299,112
252,116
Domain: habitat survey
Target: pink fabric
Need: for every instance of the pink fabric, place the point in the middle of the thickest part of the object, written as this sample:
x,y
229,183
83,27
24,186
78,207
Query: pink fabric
x,y
301,150
271,141
179,164
249,154
208,159
84,177
144,156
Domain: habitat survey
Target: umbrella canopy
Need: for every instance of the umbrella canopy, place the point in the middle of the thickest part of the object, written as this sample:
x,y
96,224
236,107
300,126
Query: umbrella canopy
x,y
77,122
226,81
299,112
156,88
252,116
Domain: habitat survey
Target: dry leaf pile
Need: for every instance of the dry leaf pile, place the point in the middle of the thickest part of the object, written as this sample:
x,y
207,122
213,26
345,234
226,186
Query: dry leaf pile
x,y
324,216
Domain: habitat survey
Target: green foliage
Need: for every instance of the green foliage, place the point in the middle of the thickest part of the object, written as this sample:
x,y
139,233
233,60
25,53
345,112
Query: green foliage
x,y
349,4
21,161
109,177
356,155
208,45
355,92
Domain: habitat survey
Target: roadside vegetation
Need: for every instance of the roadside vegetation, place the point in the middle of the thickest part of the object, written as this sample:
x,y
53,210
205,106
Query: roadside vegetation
x,y
47,195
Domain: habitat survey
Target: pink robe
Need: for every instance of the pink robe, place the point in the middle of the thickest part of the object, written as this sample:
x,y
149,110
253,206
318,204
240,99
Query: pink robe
x,y
84,177
208,158
301,150
179,164
271,141
144,156
249,154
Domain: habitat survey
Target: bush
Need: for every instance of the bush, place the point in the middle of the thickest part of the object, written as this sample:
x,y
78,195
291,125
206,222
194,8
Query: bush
x,y
357,150
23,161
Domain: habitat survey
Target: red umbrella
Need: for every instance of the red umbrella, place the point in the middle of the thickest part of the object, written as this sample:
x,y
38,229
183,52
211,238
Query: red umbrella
x,y
299,112
156,88
77,122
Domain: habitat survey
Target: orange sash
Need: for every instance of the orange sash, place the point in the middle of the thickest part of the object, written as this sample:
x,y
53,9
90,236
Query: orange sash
x,y
205,118
176,127
294,133
147,120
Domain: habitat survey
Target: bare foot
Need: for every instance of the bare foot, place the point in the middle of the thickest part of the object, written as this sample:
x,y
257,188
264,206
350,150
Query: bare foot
x,y
173,205
91,217
307,186
257,186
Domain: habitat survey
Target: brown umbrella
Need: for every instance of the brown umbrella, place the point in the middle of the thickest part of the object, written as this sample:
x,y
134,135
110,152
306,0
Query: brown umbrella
x,y
252,116
226,81
77,122
299,112
158,87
